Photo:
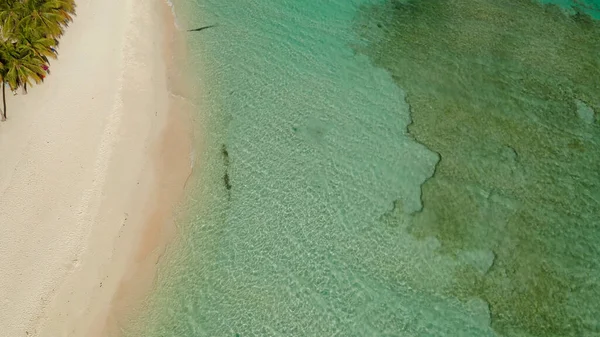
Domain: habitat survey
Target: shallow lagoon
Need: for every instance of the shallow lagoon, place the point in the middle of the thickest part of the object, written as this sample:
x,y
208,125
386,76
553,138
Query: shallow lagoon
x,y
387,168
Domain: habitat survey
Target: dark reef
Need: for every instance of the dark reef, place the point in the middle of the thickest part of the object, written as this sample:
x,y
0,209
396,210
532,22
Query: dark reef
x,y
493,86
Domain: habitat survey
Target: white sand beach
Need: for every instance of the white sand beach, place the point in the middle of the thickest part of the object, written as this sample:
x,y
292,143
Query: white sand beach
x,y
92,163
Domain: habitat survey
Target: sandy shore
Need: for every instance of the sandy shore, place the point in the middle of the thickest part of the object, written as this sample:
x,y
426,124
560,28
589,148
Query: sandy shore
x,y
91,164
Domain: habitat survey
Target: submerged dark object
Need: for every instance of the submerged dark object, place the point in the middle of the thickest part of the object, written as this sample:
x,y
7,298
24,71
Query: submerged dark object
x,y
225,154
201,28
226,181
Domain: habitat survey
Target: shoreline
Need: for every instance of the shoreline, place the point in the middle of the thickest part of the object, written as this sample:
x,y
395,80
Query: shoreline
x,y
138,282
94,162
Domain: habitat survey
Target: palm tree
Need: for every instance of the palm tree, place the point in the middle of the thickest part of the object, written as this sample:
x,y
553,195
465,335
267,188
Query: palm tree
x,y
10,15
24,67
29,31
3,117
44,47
3,70
21,66
68,6
48,17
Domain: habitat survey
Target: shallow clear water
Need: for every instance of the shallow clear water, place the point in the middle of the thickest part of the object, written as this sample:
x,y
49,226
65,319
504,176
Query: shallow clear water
x,y
318,209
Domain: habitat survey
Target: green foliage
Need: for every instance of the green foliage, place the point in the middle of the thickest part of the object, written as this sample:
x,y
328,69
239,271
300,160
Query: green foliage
x,y
29,32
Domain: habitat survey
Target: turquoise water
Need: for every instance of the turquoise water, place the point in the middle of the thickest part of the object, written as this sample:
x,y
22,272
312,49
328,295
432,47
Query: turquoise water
x,y
389,168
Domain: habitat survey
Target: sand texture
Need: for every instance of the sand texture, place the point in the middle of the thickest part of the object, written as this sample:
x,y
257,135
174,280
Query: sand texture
x,y
91,164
